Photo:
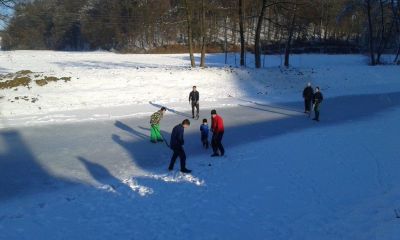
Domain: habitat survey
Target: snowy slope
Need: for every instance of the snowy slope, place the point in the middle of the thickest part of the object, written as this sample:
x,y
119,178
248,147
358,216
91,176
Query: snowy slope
x,y
284,177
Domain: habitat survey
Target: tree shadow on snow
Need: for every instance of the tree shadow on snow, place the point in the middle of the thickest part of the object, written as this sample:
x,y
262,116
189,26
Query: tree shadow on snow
x,y
20,172
270,110
218,60
113,65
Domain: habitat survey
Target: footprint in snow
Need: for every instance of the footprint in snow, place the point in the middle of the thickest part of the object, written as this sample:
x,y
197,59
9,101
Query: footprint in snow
x,y
42,205
70,199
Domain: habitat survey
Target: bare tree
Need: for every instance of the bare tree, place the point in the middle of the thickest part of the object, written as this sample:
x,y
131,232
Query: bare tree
x,y
203,35
7,3
368,7
291,28
385,33
241,29
396,17
165,26
189,32
257,47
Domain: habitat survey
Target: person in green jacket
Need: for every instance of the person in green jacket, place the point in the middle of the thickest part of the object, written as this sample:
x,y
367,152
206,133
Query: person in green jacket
x,y
155,135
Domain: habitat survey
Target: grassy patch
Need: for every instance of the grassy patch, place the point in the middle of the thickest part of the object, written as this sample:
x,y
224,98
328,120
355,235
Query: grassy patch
x,y
16,82
24,72
46,80
24,77
66,79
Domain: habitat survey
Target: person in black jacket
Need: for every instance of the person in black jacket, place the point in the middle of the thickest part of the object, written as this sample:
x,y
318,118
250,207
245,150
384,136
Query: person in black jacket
x,y
317,100
308,94
194,98
176,144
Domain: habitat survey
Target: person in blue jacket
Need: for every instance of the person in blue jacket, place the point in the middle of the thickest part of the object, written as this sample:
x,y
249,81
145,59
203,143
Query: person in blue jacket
x,y
176,144
204,130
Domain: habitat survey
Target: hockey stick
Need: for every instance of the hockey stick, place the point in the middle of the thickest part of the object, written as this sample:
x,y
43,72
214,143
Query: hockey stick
x,y
166,143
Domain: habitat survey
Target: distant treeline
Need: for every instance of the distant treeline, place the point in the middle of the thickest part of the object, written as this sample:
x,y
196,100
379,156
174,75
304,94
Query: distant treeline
x,y
169,26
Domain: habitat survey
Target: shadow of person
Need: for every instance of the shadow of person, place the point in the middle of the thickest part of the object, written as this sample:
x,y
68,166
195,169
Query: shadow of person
x,y
103,176
170,109
144,154
130,130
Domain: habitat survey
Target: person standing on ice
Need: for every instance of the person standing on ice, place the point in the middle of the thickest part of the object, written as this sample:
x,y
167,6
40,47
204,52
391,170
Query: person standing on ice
x,y
317,100
217,128
204,130
155,119
176,144
194,98
308,94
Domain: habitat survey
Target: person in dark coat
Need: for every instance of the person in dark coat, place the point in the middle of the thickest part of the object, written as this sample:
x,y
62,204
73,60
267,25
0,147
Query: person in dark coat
x,y
176,144
204,130
317,100
194,98
308,94
217,127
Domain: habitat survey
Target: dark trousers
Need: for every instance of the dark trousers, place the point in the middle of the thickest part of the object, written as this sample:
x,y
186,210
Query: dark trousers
x,y
316,110
204,141
307,105
178,152
216,143
197,106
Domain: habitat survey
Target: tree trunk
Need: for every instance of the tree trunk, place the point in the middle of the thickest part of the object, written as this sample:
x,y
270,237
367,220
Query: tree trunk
x,y
381,47
203,35
189,32
397,24
290,35
257,47
226,40
241,26
384,44
371,34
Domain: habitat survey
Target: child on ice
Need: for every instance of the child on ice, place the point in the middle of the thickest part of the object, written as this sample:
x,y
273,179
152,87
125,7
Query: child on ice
x,y
204,133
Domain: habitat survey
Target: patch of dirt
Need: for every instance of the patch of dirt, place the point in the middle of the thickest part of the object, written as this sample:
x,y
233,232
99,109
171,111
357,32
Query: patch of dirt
x,y
16,82
24,98
46,80
66,79
24,78
24,72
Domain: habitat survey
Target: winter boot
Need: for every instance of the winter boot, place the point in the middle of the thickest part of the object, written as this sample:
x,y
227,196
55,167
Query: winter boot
x,y
186,170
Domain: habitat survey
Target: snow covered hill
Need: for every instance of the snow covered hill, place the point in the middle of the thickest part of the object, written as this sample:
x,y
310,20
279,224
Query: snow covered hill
x,y
77,163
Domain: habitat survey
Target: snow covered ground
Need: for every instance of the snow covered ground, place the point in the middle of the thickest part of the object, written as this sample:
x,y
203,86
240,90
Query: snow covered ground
x,y
81,166
107,85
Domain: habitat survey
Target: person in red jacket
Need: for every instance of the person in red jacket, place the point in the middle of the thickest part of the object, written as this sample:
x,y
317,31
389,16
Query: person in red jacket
x,y
217,127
